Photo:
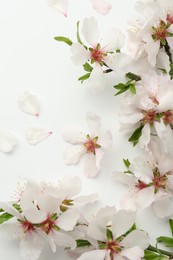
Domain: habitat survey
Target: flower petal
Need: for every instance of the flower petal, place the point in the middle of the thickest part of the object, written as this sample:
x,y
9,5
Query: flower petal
x,y
79,54
95,254
97,80
63,240
163,207
7,141
72,154
145,197
73,135
145,137
68,219
113,41
35,216
101,6
90,168
66,187
94,123
136,238
59,5
86,199
106,140
133,253
28,103
90,31
35,135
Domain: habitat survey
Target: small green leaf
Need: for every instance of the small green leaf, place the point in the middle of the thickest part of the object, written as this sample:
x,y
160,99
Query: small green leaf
x,y
1,210
84,77
63,39
132,88
5,217
133,76
109,234
78,35
171,225
154,256
126,162
167,241
17,207
83,243
120,86
122,90
87,67
136,135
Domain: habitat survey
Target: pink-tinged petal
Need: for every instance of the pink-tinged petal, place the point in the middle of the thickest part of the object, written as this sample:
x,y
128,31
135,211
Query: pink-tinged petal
x,y
163,207
35,216
11,230
59,5
94,123
28,103
122,221
145,197
127,201
72,154
35,135
107,140
68,219
90,31
95,254
123,178
63,240
31,246
86,199
7,141
142,169
132,253
79,54
7,207
136,238
49,204
97,80
90,168
73,135
101,6
113,41
145,137
65,186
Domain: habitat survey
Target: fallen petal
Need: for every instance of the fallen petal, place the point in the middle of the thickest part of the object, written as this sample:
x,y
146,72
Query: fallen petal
x,y
28,103
7,141
36,135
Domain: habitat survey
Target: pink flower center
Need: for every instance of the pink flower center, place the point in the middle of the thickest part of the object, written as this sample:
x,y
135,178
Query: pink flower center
x,y
91,144
168,117
97,55
48,225
154,100
141,185
27,226
159,182
114,248
149,116
170,18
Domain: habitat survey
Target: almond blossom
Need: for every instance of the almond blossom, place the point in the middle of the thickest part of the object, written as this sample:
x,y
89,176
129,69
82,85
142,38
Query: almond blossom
x,y
97,53
149,109
91,144
108,230
150,182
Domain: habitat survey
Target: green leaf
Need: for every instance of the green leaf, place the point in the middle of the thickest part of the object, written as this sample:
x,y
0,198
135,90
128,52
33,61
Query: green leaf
x,y
17,207
133,76
122,90
154,256
1,210
5,217
87,67
126,162
83,243
84,77
132,88
63,39
171,225
78,35
120,86
167,241
109,234
136,135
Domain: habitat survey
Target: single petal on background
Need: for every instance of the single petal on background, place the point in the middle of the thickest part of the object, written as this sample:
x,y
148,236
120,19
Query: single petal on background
x,y
7,141
59,5
101,6
28,103
35,135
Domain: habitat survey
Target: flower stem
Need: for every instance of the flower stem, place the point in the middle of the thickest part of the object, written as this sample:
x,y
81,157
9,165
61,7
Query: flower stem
x,y
154,249
168,52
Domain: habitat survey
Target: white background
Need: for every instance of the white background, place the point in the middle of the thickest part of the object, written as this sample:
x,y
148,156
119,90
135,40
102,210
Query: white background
x,y
30,59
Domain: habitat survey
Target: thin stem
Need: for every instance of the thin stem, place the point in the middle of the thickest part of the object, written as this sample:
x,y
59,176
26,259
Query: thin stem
x,y
154,249
168,52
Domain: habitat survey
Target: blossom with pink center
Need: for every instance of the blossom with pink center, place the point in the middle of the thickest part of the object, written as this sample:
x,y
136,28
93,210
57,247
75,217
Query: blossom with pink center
x,y
149,109
97,54
91,145
108,229
150,183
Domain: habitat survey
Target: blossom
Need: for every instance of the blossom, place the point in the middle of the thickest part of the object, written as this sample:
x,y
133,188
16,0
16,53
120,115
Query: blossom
x,y
97,53
28,103
149,109
150,183
91,145
152,31
108,229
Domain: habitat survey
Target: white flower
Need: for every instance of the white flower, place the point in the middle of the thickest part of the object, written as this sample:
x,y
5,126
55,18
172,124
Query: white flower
x,y
150,183
91,145
150,108
35,135
28,103
108,229
7,141
97,53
